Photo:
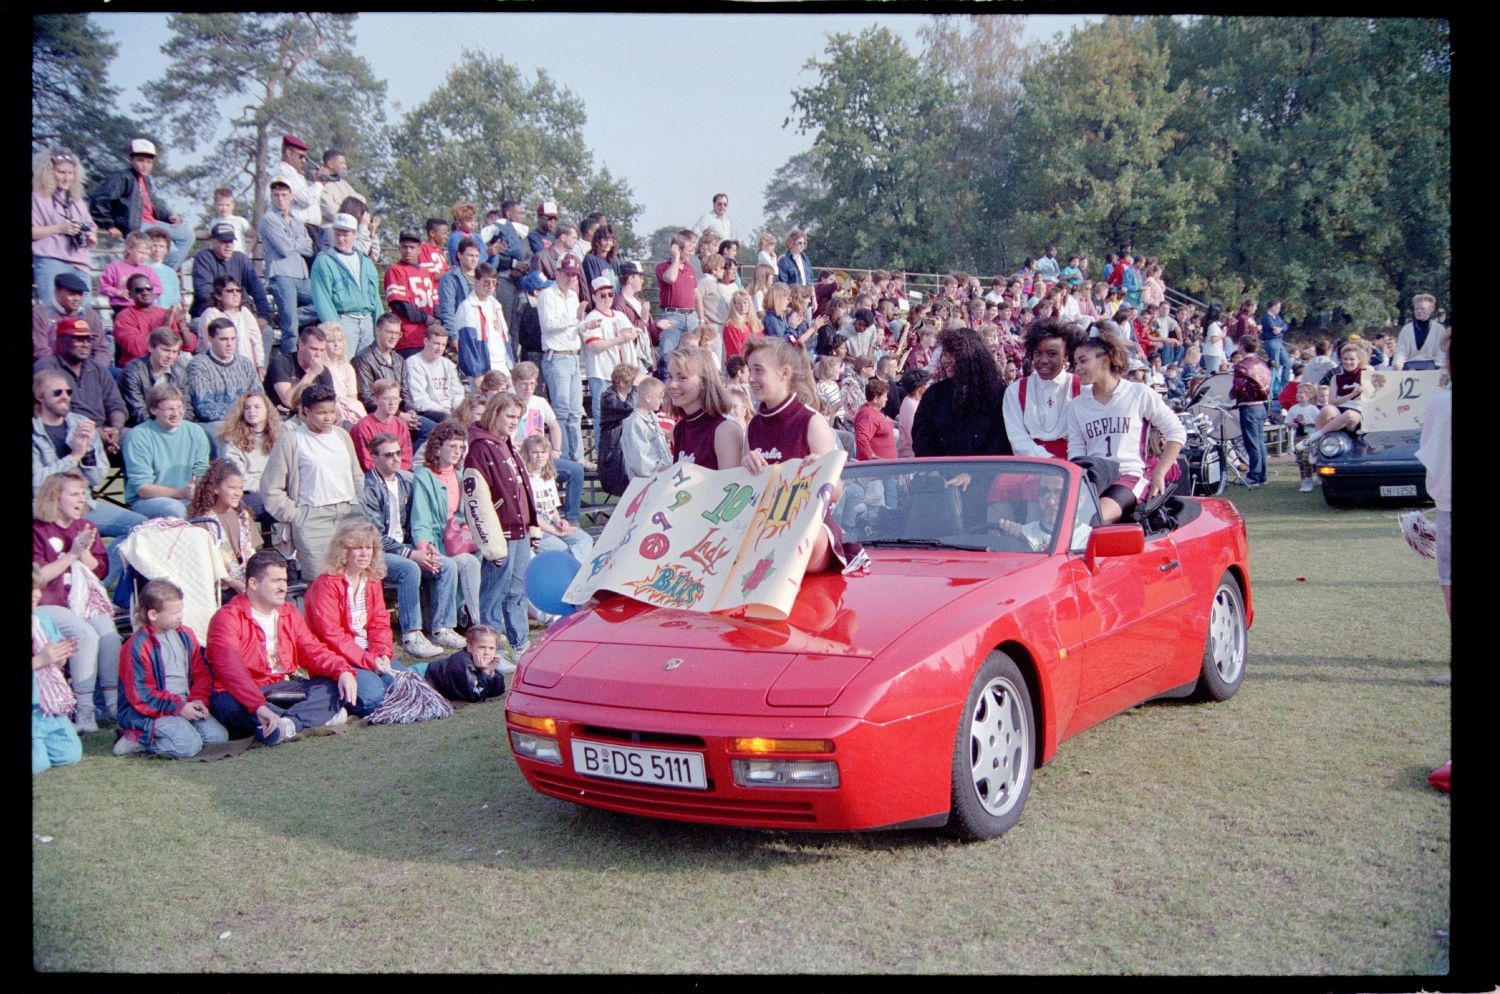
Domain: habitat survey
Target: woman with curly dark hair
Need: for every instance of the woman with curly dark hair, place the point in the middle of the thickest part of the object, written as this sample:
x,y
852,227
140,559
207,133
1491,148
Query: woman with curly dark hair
x,y
251,429
220,495
961,414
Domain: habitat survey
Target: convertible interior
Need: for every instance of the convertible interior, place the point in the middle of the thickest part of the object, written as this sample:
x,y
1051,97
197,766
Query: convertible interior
x,y
990,506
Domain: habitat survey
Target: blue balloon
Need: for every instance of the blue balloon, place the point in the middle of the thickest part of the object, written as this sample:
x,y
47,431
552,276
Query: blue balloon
x,y
547,578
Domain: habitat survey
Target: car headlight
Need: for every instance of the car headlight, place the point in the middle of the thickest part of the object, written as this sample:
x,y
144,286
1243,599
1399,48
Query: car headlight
x,y
537,747
1334,445
785,773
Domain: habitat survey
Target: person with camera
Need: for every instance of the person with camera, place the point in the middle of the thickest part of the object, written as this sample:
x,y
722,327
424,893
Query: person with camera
x,y
61,230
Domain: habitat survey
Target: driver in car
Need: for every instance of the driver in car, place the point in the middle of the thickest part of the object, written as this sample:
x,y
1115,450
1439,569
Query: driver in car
x,y
1036,533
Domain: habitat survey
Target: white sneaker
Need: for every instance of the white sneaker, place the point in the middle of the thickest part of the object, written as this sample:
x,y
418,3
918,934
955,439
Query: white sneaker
x,y
1306,486
448,638
288,729
83,718
339,717
416,644
125,745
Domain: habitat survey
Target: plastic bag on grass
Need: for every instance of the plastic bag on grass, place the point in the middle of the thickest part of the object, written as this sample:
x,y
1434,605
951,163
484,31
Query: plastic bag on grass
x,y
1419,532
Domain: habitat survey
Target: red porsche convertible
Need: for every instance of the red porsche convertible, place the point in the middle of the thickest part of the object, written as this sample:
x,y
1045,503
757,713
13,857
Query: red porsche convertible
x,y
995,622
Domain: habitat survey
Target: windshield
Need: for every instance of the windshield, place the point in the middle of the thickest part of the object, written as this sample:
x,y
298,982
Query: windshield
x,y
993,505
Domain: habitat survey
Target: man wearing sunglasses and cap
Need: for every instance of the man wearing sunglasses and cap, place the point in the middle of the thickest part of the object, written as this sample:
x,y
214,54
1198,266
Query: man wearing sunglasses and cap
x,y
96,396
540,237
124,202
306,192
221,259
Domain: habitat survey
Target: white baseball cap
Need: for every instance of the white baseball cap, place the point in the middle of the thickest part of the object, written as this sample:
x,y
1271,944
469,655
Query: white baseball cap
x,y
141,146
345,222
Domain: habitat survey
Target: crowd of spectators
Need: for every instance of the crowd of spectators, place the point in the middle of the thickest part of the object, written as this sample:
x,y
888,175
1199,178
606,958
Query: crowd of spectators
x,y
325,429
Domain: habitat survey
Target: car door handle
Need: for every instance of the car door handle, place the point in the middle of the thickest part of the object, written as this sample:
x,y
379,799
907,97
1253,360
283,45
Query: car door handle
x,y
1164,567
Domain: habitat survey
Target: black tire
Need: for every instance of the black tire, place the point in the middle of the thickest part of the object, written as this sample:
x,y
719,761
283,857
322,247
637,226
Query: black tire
x,y
994,752
1225,644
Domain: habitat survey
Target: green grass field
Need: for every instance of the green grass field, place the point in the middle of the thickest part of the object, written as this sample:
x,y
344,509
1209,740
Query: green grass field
x,y
1288,831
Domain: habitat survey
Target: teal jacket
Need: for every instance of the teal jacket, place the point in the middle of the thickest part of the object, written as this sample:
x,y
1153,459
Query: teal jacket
x,y
429,508
334,291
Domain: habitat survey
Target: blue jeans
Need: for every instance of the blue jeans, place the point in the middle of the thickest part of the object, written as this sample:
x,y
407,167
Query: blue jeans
x,y
565,391
424,428
578,544
1253,430
1280,362
596,399
113,522
409,578
294,308
502,591
359,332
681,325
180,738
44,270
159,507
372,687
570,479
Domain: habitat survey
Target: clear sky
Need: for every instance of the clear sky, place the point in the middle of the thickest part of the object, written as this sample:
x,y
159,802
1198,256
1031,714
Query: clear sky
x,y
728,77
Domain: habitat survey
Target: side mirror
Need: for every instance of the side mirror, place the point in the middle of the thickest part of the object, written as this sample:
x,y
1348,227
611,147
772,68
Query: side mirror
x,y
1114,540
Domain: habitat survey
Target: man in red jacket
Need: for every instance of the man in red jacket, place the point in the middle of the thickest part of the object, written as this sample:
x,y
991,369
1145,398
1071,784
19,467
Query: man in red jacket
x,y
134,324
256,642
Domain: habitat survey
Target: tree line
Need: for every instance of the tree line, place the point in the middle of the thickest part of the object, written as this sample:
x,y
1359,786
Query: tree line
x,y
1299,158
237,82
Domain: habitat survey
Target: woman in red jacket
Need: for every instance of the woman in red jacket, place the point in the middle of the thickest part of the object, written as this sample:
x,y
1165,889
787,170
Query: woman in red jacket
x,y
346,610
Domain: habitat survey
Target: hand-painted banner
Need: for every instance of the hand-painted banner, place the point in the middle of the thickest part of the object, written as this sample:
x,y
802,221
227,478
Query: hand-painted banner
x,y
1394,399
713,540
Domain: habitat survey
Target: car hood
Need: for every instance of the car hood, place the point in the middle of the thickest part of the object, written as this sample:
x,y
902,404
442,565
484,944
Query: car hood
x,y
629,654
1399,444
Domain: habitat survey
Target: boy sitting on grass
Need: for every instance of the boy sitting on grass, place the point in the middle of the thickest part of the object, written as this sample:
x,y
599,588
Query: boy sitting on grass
x,y
164,681
472,673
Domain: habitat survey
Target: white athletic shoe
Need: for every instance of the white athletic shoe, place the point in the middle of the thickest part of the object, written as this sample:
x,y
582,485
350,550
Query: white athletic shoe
x,y
448,638
125,745
416,644
288,729
339,717
1307,442
1306,486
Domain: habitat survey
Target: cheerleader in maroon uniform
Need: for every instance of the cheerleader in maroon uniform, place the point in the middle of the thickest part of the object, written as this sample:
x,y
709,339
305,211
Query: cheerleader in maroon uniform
x,y
703,434
785,426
